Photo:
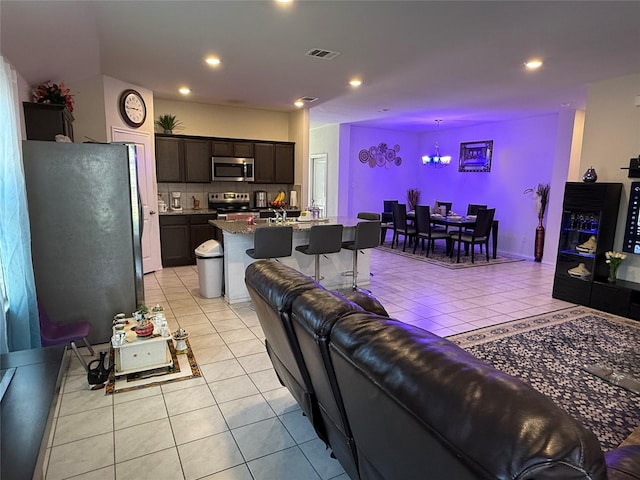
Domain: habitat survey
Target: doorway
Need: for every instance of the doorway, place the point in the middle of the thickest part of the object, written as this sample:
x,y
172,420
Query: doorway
x,y
151,257
318,181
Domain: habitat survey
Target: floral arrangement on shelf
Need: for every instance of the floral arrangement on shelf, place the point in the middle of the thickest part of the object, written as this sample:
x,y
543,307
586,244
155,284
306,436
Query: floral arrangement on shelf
x,y
413,198
53,94
614,259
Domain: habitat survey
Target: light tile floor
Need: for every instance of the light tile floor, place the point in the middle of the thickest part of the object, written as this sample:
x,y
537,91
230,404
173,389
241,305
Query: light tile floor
x,y
237,422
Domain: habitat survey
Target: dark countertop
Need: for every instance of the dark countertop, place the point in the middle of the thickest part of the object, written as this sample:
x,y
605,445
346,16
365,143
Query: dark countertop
x,y
27,408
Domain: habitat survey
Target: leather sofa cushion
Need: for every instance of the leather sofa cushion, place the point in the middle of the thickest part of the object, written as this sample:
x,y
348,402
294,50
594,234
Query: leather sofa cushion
x,y
365,300
496,424
623,463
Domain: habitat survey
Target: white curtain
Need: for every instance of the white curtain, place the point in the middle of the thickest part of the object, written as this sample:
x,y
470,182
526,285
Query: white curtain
x,y
19,326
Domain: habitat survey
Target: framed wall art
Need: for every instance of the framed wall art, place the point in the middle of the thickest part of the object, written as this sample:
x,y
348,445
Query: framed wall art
x,y
476,156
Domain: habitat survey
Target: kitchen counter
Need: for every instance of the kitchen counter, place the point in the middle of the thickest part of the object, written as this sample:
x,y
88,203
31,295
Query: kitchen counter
x,y
334,268
191,211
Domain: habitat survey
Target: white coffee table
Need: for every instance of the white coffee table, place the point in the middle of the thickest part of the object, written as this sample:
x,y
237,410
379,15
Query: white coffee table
x,y
141,353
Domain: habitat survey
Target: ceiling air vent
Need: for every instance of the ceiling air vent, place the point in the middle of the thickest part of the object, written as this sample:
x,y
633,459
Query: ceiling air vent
x,y
308,99
321,53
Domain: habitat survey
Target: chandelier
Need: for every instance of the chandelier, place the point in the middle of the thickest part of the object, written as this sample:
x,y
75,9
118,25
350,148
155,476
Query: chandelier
x,y
436,160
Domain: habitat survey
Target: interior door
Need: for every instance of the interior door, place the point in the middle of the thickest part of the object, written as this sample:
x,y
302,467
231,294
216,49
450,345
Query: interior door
x,y
318,182
151,256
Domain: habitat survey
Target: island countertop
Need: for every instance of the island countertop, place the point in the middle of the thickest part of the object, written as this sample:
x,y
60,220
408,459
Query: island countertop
x,y
241,227
336,268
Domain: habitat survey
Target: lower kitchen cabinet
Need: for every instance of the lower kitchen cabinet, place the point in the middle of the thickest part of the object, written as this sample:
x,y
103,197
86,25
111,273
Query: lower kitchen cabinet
x,y
180,235
175,240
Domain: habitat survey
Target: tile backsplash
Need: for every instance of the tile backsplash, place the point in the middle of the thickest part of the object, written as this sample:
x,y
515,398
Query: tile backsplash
x,y
200,191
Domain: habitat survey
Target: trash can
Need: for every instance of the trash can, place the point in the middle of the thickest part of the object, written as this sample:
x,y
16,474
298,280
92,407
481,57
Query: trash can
x,y
209,261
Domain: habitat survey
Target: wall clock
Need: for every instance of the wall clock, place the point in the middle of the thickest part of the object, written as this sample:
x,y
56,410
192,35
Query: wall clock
x,y
132,108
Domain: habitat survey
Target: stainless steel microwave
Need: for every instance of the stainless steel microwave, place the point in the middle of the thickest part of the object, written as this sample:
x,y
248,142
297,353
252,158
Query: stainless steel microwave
x,y
232,169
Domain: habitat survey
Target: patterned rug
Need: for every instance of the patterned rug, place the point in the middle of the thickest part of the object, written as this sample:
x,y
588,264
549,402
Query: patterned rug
x,y
550,351
439,257
184,367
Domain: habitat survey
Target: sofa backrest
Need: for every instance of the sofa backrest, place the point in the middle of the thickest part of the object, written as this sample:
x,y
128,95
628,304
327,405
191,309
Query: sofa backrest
x,y
313,314
420,406
273,287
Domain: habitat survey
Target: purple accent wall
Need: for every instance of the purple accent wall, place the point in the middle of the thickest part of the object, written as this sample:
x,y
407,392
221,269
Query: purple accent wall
x,y
523,156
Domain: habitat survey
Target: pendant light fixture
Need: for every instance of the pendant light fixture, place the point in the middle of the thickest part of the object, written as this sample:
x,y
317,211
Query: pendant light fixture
x,y
436,160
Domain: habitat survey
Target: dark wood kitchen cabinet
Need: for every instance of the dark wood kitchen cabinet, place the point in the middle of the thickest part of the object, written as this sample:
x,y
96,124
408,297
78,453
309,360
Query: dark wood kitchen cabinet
x,y
44,121
175,240
197,161
180,235
284,165
264,162
169,160
274,163
183,160
225,148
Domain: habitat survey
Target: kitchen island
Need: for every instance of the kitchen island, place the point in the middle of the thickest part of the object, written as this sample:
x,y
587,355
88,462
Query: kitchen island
x,y
335,268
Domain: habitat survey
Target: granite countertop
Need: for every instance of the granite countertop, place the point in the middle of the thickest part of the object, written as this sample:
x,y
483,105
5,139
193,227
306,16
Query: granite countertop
x,y
241,227
190,211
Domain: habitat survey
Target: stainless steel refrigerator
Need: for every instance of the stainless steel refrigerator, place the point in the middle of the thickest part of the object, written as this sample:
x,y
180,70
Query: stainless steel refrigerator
x,y
85,219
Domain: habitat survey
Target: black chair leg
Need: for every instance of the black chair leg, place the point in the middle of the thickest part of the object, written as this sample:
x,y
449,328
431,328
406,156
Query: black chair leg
x,y
404,244
415,245
473,251
486,247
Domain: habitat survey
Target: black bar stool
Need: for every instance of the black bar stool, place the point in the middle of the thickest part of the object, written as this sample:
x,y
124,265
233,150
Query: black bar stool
x,y
323,239
367,236
271,242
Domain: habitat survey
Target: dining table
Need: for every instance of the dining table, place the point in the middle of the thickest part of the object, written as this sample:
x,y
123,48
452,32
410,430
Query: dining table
x,y
461,222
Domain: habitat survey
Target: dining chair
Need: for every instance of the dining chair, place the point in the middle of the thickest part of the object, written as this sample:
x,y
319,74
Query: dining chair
x,y
64,333
444,204
386,218
271,242
424,231
472,208
367,235
323,239
479,235
400,225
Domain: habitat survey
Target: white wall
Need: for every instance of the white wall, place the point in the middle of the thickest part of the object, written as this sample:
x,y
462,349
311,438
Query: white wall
x,y
611,138
326,140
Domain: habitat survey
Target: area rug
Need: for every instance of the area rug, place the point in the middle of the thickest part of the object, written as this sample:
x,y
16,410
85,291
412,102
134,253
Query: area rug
x,y
550,351
184,367
441,259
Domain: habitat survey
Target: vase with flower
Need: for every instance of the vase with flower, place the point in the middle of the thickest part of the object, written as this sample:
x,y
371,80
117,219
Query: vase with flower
x,y
53,94
614,259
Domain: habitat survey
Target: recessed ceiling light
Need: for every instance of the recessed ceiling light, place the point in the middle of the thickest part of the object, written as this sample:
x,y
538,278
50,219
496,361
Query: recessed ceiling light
x,y
355,82
533,64
213,61
184,91
299,103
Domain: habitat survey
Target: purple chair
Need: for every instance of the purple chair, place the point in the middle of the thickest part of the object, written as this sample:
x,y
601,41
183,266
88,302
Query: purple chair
x,y
63,333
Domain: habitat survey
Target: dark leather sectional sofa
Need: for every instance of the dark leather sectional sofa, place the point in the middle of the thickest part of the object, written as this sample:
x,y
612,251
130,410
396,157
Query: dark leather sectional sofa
x,y
393,401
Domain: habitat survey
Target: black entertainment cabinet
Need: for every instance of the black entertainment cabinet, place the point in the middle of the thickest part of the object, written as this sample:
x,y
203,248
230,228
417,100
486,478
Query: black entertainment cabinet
x,y
591,210
589,217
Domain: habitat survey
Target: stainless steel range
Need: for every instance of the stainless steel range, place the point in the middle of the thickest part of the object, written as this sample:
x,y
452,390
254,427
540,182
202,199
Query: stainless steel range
x,y
230,202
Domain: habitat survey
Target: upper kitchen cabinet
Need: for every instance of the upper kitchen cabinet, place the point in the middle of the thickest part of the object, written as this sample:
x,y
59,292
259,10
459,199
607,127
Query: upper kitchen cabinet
x,y
274,163
264,162
285,164
45,121
169,159
183,160
197,160
227,148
